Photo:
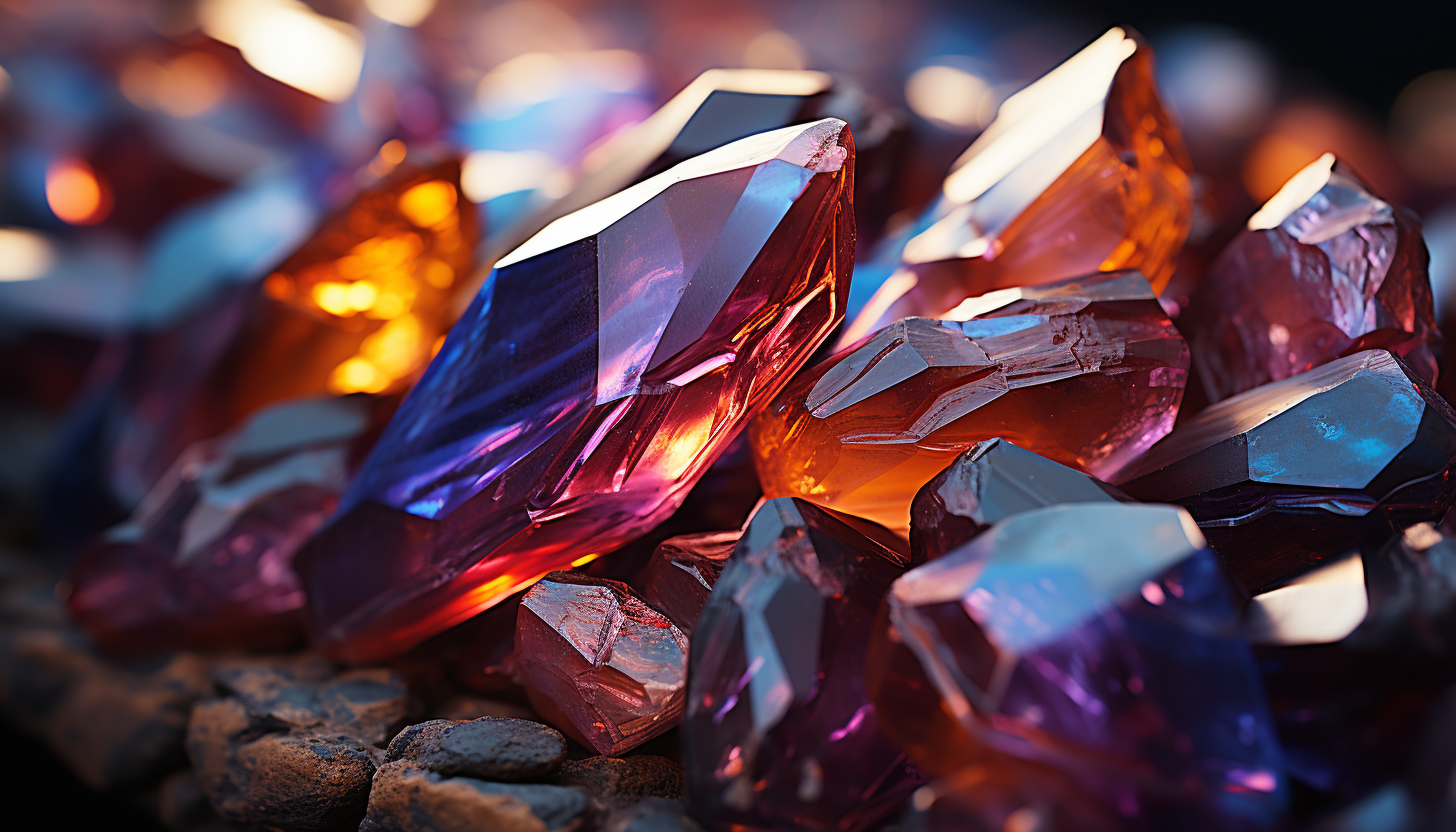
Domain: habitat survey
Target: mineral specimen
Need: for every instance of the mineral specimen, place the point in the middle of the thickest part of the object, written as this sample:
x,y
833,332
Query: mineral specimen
x,y
207,560
680,575
1324,269
1081,171
1286,475
987,484
599,663
599,372
779,731
1096,646
1086,372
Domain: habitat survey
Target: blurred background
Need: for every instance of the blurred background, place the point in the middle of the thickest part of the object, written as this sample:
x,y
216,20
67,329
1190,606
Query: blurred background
x,y
155,152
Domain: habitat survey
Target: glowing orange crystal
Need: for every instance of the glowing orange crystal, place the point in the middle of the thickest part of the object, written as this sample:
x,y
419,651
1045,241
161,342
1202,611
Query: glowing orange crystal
x,y
1088,373
1082,171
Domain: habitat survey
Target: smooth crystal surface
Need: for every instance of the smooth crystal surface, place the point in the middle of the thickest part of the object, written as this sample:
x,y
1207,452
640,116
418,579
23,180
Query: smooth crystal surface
x,y
1082,171
680,575
990,482
1098,642
207,559
1087,372
598,662
1324,269
600,371
1289,474
779,731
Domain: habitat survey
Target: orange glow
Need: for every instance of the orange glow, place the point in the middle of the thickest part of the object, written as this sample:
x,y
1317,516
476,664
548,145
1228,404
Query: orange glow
x,y
428,203
185,86
76,194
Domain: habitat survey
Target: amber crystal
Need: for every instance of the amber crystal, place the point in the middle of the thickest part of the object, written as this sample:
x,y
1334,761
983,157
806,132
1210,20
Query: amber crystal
x,y
1287,475
1082,171
1086,372
1094,646
780,733
357,308
989,483
207,559
601,370
1324,269
680,575
598,662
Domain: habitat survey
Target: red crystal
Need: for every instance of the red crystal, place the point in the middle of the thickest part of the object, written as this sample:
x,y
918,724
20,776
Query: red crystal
x,y
598,663
1324,269
680,575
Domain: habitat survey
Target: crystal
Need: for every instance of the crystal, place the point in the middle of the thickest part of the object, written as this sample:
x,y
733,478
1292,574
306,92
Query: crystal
x,y
598,663
779,731
1289,474
991,481
1081,171
357,308
1355,655
206,560
1096,644
600,371
1325,268
1086,372
680,575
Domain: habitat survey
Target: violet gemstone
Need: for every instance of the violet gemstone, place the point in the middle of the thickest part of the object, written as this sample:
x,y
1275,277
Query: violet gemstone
x,y
207,559
990,482
602,368
1286,475
1324,269
780,732
599,663
1094,651
681,573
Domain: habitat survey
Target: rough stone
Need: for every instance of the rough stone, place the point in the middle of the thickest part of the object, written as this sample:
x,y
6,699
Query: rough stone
x,y
406,798
625,780
488,748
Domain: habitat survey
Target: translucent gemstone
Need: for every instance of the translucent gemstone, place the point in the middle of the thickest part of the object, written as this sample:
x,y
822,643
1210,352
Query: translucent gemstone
x,y
680,575
357,308
1355,655
779,731
207,560
600,371
989,483
1086,372
598,663
1092,644
1082,171
1324,269
1283,476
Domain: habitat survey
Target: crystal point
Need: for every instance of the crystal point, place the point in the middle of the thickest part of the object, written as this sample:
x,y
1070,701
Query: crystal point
x,y
1324,269
1096,647
1088,373
779,731
602,368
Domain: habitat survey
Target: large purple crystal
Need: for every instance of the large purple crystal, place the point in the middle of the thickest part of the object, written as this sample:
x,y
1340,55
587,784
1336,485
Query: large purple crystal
x,y
779,731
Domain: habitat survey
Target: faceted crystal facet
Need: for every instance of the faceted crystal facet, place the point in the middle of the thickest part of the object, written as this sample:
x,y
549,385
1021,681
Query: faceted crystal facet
x,y
600,371
1097,642
1086,372
207,560
680,575
599,663
779,731
1324,269
989,483
1081,171
1286,475
357,308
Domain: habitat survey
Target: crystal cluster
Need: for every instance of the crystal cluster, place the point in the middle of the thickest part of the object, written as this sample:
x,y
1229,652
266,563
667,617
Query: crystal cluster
x,y
779,730
1086,372
1324,269
1081,171
207,559
1289,474
1060,648
600,370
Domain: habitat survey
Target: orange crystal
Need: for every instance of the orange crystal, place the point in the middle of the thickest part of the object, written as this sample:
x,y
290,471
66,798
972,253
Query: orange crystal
x,y
1082,171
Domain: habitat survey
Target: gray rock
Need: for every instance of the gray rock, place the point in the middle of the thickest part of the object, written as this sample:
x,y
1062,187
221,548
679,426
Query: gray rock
x,y
407,798
489,748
